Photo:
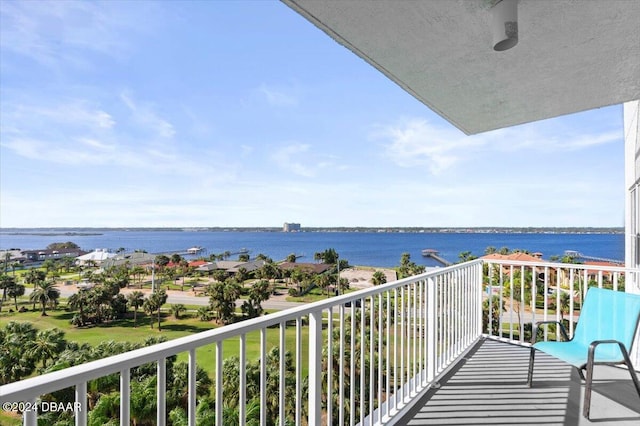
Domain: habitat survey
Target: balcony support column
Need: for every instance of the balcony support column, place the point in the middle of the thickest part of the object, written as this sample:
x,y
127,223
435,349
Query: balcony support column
x,y
315,367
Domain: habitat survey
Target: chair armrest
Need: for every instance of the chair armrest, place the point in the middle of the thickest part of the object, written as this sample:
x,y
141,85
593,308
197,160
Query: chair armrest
x,y
592,351
534,336
595,343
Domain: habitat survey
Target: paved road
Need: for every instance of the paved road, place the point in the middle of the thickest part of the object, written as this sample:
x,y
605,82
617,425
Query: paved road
x,y
187,298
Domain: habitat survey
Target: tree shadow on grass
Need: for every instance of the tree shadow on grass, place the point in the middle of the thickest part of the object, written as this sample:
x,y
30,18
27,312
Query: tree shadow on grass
x,y
182,327
63,316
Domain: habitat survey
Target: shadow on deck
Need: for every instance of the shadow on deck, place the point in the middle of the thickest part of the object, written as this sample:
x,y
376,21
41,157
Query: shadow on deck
x,y
488,386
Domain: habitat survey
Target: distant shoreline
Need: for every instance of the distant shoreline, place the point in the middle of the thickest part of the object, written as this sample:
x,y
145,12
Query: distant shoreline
x,y
84,231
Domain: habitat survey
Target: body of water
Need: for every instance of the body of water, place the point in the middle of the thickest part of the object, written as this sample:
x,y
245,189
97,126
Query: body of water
x,y
382,249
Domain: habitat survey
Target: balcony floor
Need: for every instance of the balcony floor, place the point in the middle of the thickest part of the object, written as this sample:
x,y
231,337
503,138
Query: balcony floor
x,y
488,386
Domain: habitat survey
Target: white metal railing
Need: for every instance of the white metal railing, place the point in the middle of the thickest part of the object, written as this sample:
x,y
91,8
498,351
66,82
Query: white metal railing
x,y
529,292
362,358
379,353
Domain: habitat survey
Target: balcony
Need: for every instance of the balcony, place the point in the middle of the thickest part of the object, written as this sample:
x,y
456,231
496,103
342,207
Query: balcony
x,y
415,351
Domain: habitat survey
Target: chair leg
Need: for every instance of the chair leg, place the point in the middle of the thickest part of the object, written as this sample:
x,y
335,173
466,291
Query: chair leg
x,y
586,406
634,377
532,356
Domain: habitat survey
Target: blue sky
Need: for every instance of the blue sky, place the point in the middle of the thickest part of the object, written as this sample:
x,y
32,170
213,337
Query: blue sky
x,y
234,113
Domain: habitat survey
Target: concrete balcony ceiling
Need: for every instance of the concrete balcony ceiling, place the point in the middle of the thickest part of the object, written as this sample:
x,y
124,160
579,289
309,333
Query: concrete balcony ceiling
x,y
571,56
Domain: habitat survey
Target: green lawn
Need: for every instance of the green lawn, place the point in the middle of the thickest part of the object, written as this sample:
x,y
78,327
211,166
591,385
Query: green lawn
x,y
124,331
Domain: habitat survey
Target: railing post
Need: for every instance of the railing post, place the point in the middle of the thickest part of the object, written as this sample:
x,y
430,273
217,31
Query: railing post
x,y
263,377
29,418
81,397
315,367
219,394
431,329
161,392
478,284
191,402
125,394
242,381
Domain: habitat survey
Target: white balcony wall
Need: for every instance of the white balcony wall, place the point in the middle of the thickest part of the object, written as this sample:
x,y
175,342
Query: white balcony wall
x,y
632,199
632,181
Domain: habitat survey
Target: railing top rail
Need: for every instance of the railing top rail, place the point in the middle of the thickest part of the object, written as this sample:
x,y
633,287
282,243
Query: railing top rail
x,y
556,265
26,389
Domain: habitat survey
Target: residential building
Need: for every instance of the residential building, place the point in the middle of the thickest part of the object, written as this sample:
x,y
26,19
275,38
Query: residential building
x,y
291,227
95,258
45,254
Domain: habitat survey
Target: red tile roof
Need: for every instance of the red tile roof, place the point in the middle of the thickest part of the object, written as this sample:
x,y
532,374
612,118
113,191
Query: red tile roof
x,y
519,256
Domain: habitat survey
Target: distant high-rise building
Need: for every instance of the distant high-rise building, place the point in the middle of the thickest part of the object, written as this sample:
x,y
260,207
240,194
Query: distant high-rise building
x,y
291,227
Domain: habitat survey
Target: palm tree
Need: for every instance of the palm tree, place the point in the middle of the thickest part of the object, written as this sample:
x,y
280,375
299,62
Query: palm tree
x,y
466,256
15,364
222,299
242,275
78,301
219,275
67,262
143,401
15,291
6,282
50,265
34,275
490,250
204,313
14,266
565,299
135,299
258,293
184,270
45,293
46,345
7,258
324,282
378,278
106,409
177,309
154,303
269,271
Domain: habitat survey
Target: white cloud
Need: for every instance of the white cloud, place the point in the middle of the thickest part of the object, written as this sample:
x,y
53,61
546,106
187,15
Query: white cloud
x,y
416,142
292,158
246,150
279,97
59,33
147,117
303,160
80,133
75,112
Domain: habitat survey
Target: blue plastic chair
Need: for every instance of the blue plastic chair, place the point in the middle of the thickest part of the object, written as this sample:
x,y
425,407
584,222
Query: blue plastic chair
x,y
604,335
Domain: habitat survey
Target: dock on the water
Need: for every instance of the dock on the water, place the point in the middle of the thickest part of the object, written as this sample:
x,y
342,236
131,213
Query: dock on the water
x,y
434,254
578,255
